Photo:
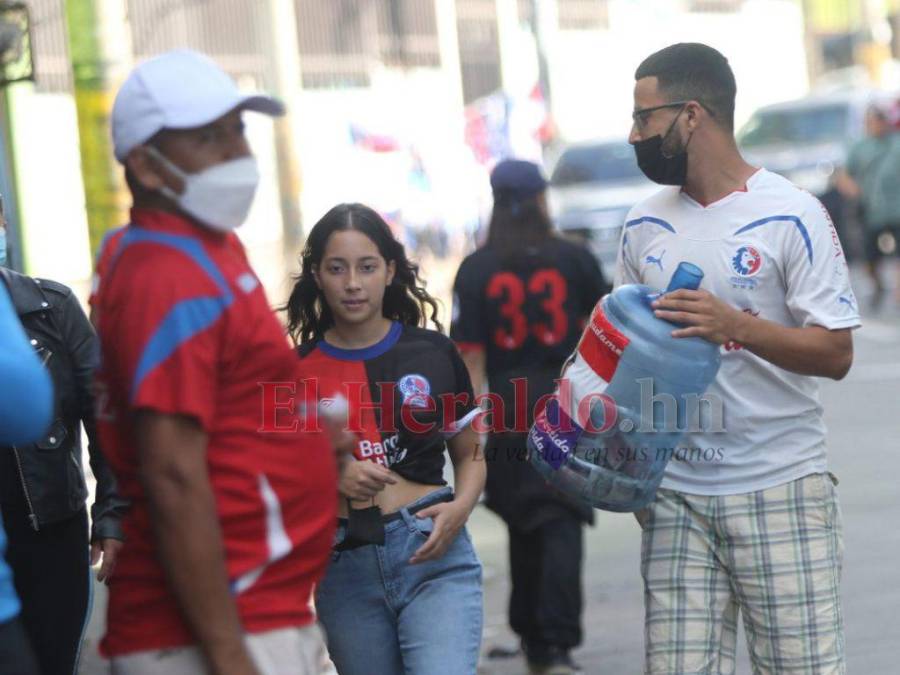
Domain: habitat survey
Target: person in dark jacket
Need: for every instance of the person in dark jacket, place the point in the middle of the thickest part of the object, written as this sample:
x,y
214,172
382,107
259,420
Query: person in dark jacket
x,y
42,484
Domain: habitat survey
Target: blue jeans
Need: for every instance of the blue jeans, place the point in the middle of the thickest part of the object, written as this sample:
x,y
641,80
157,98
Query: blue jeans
x,y
384,616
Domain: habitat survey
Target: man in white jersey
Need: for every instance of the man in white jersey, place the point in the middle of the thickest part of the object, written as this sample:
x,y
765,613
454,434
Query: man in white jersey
x,y
747,520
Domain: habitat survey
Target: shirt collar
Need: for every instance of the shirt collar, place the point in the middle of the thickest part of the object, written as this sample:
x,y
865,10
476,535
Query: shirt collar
x,y
365,353
748,185
174,223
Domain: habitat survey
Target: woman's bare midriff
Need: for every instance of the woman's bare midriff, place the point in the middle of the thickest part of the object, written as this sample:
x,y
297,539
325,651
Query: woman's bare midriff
x,y
392,498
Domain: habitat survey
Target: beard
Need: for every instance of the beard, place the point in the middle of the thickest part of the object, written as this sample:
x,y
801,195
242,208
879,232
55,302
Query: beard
x,y
674,145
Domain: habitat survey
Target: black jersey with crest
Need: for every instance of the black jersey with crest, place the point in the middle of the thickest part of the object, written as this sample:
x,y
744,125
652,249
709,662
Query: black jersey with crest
x,y
407,395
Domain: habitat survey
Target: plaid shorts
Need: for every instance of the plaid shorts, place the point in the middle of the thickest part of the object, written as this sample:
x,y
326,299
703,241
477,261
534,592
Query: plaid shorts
x,y
773,555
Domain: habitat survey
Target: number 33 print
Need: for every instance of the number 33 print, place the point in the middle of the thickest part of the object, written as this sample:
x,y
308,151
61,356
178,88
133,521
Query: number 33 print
x,y
550,287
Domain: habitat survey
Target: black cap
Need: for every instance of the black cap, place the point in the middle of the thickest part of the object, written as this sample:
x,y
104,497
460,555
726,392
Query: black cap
x,y
515,180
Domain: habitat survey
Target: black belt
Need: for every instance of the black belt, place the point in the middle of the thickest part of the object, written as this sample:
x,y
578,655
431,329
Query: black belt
x,y
397,515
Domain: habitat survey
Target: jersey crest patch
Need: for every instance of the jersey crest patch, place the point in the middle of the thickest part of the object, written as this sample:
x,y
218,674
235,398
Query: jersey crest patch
x,y
415,389
747,261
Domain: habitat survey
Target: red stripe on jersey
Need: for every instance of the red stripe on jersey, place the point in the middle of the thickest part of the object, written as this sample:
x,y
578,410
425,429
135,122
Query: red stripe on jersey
x,y
349,379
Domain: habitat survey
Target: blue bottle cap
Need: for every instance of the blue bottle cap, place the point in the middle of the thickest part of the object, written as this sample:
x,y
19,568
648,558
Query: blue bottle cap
x,y
687,275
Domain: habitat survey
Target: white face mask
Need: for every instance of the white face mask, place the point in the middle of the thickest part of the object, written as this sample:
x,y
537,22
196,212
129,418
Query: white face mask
x,y
220,196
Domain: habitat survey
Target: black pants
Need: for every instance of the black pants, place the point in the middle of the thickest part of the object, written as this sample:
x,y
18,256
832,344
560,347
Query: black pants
x,y
15,652
51,572
546,600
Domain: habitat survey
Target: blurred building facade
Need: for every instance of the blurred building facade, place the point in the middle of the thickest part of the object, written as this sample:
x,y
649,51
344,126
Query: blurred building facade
x,y
403,104
862,34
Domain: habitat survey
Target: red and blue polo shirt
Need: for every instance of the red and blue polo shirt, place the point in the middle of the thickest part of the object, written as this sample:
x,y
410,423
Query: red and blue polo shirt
x,y
185,329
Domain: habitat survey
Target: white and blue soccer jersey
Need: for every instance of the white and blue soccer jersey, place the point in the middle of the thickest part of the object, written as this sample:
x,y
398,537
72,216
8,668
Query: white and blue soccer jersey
x,y
772,251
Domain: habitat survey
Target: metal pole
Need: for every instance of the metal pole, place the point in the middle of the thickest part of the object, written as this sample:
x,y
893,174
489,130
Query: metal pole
x,y
507,28
9,189
876,50
448,46
99,47
284,59
811,43
537,27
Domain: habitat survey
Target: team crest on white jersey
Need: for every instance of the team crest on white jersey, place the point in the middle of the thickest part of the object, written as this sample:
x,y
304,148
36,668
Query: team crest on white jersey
x,y
746,262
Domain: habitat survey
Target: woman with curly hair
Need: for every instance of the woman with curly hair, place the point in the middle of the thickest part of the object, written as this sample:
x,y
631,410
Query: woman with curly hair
x,y
403,591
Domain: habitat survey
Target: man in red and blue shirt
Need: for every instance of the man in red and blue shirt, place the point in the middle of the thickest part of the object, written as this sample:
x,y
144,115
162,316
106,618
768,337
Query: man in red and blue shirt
x,y
231,524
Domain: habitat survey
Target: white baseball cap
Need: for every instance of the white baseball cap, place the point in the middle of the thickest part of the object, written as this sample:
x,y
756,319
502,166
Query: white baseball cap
x,y
181,89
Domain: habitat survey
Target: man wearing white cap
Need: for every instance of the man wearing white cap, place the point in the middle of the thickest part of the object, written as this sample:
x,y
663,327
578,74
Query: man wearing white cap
x,y
232,519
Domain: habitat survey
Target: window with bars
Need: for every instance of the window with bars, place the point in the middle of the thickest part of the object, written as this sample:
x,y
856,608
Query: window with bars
x,y
340,39
50,48
232,32
479,51
573,14
407,33
583,14
332,39
715,6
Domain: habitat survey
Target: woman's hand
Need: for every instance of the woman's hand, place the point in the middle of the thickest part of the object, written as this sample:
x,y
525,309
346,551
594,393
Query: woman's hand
x,y
362,480
449,518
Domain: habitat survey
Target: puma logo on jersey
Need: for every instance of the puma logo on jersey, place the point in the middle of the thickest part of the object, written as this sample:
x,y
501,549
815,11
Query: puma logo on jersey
x,y
651,260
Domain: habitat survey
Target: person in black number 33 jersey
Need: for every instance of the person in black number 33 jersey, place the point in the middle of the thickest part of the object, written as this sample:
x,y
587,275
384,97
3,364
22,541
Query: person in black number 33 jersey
x,y
520,303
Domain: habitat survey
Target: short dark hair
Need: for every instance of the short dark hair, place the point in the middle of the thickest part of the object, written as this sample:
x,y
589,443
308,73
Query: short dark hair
x,y
694,71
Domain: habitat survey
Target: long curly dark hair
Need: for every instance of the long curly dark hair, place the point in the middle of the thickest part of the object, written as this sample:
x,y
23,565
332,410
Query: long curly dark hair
x,y
405,299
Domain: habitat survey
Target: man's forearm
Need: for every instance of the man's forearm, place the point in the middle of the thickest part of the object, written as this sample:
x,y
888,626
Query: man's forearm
x,y
812,350
190,546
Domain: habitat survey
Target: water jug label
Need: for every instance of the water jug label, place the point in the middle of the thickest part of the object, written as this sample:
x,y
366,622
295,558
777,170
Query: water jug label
x,y
554,434
602,344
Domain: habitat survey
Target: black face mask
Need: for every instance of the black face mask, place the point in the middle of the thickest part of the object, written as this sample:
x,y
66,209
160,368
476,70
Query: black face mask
x,y
656,166
364,527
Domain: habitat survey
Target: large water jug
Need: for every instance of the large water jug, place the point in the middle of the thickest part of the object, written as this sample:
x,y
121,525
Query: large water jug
x,y
625,398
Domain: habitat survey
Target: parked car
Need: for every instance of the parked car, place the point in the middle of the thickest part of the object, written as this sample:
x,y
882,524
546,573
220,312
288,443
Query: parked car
x,y
592,187
807,142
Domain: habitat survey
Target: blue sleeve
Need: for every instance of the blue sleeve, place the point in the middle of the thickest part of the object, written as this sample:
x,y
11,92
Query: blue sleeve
x,y
26,394
9,603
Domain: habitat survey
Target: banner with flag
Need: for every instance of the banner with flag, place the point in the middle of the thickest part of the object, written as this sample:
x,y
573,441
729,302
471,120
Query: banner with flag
x,y
503,125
